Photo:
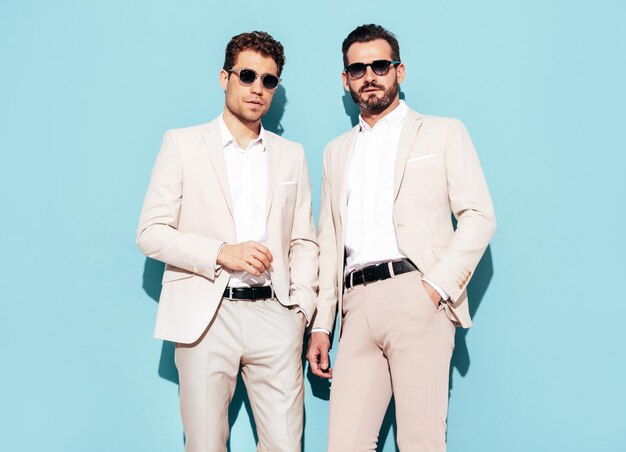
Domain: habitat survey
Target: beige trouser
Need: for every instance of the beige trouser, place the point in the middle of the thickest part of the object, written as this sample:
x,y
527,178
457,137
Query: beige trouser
x,y
264,340
393,340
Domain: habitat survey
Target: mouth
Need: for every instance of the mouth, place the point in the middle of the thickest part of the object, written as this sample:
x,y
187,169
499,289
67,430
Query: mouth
x,y
255,103
370,89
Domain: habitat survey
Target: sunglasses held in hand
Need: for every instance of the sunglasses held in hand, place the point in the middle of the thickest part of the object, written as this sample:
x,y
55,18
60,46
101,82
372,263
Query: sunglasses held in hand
x,y
248,76
379,67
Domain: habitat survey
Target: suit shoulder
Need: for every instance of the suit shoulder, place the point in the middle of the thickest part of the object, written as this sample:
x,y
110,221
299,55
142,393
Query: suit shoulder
x,y
442,124
336,142
291,150
189,131
440,121
282,141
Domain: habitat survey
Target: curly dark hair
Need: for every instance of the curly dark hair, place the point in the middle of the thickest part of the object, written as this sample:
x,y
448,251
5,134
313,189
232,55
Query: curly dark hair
x,y
260,42
368,33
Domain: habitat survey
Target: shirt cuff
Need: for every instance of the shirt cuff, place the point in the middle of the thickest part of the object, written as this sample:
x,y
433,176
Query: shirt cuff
x,y
216,266
442,293
320,330
304,314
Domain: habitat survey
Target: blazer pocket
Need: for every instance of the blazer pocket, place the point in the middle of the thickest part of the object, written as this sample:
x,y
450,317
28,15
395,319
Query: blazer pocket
x,y
289,183
422,161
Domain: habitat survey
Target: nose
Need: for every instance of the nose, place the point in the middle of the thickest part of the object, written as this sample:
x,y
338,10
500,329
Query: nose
x,y
369,74
257,87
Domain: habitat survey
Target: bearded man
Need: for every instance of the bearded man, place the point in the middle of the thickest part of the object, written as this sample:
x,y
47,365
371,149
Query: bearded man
x,y
391,262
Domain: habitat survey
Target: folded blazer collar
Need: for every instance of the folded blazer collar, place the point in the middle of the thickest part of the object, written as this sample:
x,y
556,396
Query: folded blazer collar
x,y
412,124
214,144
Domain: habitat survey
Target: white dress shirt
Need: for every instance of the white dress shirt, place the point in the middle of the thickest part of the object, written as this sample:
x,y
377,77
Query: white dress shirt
x,y
247,180
370,232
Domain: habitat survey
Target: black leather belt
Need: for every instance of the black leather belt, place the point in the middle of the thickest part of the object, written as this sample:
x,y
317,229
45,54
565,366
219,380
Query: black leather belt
x,y
248,293
378,272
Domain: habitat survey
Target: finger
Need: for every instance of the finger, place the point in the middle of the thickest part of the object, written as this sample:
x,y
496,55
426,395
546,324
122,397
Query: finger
x,y
257,264
323,374
251,269
324,360
264,250
315,369
250,259
314,356
261,258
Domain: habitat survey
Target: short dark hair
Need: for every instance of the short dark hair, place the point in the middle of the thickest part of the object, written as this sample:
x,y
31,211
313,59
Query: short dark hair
x,y
368,33
258,41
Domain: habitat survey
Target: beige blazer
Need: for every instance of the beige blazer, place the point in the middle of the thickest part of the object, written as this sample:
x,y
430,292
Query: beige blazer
x,y
187,215
437,174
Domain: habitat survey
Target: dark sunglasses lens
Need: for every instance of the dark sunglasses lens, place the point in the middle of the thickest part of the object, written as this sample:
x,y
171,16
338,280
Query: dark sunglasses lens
x,y
356,70
247,76
270,81
381,67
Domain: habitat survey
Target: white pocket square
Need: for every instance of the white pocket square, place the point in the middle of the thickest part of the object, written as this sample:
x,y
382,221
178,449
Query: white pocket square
x,y
289,182
422,157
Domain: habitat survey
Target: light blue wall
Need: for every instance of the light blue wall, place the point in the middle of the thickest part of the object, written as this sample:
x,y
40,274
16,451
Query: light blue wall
x,y
87,90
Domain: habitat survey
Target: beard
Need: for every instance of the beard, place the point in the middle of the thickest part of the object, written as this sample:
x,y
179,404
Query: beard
x,y
372,103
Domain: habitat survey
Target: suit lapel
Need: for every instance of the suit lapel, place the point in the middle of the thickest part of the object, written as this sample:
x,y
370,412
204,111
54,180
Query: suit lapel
x,y
345,158
412,124
273,161
213,143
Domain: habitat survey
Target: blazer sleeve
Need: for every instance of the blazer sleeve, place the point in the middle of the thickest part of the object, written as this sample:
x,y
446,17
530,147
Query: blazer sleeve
x,y
327,298
472,207
158,236
303,249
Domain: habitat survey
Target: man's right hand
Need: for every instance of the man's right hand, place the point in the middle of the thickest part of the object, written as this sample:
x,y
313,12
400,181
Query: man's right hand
x,y
249,256
317,355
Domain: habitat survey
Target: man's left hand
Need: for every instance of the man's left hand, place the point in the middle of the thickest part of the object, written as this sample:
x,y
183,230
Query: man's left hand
x,y
433,294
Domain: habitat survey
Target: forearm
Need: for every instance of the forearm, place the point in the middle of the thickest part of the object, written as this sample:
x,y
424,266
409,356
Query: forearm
x,y
191,252
158,234
471,204
303,263
303,248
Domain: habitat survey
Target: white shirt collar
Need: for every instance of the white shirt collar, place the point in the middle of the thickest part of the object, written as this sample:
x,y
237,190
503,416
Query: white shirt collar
x,y
391,120
228,138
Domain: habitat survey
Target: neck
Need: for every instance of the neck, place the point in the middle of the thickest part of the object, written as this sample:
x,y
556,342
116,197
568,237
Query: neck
x,y
242,131
372,117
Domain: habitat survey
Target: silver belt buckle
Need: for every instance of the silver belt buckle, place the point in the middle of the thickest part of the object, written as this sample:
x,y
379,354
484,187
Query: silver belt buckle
x,y
351,279
390,267
360,269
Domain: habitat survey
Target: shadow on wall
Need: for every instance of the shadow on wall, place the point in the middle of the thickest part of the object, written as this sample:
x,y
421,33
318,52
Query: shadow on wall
x,y
152,275
475,293
272,120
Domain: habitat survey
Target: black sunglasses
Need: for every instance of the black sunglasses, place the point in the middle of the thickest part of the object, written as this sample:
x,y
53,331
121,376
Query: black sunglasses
x,y
248,76
380,67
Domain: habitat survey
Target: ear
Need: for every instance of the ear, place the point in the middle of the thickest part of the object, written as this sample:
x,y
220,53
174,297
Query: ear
x,y
401,72
344,80
224,79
